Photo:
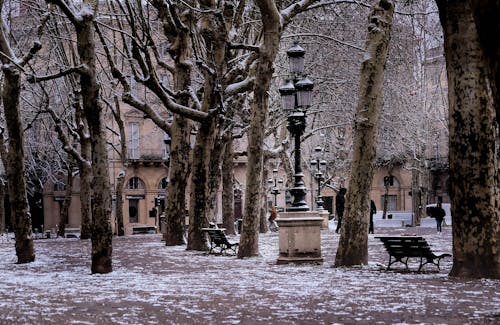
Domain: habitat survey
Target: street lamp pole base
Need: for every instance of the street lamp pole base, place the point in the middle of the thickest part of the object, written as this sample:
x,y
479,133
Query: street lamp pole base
x,y
299,237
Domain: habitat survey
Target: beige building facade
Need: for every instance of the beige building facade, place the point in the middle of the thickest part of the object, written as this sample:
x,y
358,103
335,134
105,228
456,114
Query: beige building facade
x,y
146,180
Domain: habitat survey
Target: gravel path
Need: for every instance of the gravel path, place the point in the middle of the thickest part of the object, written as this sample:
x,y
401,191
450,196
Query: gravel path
x,y
154,284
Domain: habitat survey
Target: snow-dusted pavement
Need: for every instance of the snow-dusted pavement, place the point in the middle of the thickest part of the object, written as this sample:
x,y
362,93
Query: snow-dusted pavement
x,y
154,284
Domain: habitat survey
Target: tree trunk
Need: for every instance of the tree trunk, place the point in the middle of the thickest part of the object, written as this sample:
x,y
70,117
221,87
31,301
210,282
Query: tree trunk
x,y
179,168
86,195
101,205
175,211
249,240
264,209
120,227
64,213
486,16
353,243
120,181
474,174
206,154
228,188
215,176
15,169
3,224
416,195
84,167
202,158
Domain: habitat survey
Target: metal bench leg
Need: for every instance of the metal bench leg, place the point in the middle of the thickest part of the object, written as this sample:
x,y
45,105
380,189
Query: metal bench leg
x,y
406,263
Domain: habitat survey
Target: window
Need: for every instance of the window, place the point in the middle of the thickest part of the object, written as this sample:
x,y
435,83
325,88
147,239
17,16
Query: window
x,y
162,187
135,183
133,142
392,202
59,186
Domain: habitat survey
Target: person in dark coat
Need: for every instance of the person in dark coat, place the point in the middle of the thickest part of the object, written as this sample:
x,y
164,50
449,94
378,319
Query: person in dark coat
x,y
373,210
437,213
339,207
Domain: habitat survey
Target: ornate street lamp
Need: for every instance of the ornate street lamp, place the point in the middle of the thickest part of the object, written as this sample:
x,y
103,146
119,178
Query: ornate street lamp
x,y
273,182
296,97
319,175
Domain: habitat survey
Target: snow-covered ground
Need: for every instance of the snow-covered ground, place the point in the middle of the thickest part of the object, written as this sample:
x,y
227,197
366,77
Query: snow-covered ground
x,y
154,284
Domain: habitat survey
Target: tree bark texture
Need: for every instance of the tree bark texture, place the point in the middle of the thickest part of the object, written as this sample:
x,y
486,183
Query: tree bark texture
x,y
101,206
228,188
179,171
3,224
179,167
473,143
120,227
486,17
270,17
84,167
263,207
215,176
15,168
416,195
206,155
120,181
198,217
353,243
86,195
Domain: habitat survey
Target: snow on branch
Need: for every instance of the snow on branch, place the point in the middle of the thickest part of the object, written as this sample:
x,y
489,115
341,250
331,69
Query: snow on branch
x,y
294,9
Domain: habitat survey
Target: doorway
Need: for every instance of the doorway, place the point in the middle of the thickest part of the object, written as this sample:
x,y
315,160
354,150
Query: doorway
x,y
133,210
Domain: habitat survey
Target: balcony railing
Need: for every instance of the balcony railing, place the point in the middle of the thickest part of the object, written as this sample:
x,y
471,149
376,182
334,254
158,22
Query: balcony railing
x,y
145,155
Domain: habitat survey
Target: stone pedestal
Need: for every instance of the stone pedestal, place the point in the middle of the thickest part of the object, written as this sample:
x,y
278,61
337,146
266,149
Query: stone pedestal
x,y
299,237
324,214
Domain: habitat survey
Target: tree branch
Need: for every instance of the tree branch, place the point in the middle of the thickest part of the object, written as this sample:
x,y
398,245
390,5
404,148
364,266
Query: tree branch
x,y
67,11
81,69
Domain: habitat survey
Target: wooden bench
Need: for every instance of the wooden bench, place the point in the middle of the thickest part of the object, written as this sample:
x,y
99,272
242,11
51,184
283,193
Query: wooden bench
x,y
218,240
401,248
143,230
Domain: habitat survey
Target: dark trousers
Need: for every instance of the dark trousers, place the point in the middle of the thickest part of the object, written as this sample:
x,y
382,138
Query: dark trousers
x,y
439,223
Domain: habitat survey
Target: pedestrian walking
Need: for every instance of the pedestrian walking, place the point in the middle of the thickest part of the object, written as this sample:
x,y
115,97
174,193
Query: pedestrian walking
x,y
373,210
339,207
273,226
438,213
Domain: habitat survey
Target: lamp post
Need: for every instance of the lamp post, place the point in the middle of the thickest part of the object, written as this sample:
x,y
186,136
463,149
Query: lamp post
x,y
296,97
320,166
273,182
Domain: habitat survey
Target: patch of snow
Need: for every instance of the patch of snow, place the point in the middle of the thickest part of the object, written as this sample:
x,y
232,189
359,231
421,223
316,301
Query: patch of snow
x,y
152,284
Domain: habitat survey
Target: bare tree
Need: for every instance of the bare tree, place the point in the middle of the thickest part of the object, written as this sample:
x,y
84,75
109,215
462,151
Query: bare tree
x,y
83,22
353,244
273,21
13,153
